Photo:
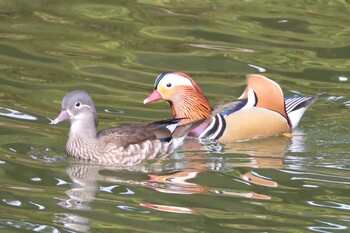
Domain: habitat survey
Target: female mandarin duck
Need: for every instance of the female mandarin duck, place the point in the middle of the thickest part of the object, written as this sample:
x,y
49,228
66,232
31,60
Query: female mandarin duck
x,y
124,145
260,111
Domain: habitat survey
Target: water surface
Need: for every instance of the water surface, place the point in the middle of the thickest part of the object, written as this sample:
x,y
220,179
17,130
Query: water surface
x,y
114,50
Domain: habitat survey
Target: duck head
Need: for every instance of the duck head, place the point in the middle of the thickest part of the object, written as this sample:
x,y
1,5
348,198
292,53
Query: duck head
x,y
77,106
183,94
168,85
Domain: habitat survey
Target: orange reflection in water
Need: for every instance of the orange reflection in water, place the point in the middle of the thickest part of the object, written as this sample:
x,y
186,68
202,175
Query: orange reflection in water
x,y
171,209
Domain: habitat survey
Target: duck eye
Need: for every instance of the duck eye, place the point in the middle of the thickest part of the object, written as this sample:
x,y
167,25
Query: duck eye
x,y
77,104
168,84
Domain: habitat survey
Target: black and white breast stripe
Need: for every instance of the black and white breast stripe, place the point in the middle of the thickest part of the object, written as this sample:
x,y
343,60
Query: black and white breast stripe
x,y
215,129
295,103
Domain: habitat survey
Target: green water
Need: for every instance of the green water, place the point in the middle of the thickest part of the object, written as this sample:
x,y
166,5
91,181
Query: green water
x,y
114,50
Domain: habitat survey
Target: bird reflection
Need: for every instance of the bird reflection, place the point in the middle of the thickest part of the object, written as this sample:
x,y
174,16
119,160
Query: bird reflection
x,y
85,177
263,153
170,209
177,183
74,222
83,188
266,153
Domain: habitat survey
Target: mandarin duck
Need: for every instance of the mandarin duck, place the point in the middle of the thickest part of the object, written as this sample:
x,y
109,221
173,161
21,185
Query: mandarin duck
x,y
260,111
125,145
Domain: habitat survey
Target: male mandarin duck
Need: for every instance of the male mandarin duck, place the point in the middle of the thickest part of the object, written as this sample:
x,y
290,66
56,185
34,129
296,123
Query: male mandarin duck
x,y
260,111
124,145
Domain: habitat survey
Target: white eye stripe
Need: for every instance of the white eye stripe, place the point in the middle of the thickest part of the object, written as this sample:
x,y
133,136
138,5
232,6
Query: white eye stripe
x,y
171,80
81,106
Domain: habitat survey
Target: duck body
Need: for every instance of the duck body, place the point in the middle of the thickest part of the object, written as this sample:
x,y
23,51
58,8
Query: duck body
x,y
261,111
125,145
245,124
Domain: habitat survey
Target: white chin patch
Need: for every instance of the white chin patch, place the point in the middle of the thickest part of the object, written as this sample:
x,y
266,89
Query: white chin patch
x,y
69,112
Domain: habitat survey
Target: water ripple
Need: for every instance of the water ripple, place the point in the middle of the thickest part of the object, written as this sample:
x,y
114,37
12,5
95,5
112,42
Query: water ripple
x,y
329,227
114,50
334,205
16,114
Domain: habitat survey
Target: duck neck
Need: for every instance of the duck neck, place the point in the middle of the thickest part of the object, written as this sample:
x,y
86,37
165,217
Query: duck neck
x,y
191,106
83,129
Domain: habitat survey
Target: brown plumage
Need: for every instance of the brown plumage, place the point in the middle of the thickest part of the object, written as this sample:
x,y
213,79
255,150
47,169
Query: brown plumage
x,y
125,145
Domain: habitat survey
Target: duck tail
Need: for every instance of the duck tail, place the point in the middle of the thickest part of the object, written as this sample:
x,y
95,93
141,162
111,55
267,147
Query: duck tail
x,y
297,105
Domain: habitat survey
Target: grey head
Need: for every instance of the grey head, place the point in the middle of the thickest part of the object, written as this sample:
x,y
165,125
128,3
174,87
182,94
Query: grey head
x,y
77,104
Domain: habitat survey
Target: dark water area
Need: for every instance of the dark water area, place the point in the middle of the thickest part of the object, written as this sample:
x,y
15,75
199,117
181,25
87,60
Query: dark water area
x,y
114,50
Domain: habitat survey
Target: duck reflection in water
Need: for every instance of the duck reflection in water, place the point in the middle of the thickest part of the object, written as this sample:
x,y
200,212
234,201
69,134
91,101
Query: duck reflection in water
x,y
266,153
85,177
257,154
